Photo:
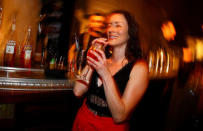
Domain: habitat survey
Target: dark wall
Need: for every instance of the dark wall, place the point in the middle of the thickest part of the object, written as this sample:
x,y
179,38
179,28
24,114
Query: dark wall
x,y
58,22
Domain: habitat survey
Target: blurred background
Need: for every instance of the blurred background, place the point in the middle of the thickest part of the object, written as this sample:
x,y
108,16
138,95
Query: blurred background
x,y
171,37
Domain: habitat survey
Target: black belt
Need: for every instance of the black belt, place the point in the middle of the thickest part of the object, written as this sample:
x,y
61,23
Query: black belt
x,y
97,112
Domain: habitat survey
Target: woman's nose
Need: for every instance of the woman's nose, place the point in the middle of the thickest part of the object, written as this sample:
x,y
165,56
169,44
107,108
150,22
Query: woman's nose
x,y
110,29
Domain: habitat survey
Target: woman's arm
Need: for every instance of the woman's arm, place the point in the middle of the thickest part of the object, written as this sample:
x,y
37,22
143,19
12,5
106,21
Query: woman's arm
x,y
122,107
81,88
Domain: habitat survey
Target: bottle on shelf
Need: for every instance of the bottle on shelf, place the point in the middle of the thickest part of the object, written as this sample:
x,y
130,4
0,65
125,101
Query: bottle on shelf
x,y
72,65
27,50
41,43
43,57
38,47
11,41
53,63
61,63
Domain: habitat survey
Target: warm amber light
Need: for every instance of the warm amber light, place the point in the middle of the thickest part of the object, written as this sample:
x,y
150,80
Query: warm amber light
x,y
187,55
168,31
199,49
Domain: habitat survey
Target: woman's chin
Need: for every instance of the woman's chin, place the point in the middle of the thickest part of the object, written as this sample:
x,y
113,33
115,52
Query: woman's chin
x,y
111,42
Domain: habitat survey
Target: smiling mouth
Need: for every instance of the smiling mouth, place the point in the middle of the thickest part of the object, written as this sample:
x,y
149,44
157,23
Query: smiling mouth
x,y
111,37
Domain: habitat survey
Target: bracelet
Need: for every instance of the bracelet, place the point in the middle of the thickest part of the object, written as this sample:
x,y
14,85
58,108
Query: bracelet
x,y
82,80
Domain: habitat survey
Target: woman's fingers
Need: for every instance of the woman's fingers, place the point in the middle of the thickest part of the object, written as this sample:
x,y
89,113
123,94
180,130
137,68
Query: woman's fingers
x,y
97,55
97,59
105,44
92,62
100,40
101,53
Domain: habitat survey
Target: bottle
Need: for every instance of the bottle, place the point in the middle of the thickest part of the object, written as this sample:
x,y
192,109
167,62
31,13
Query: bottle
x,y
10,49
41,43
76,41
53,63
44,40
38,47
27,50
73,64
43,56
61,63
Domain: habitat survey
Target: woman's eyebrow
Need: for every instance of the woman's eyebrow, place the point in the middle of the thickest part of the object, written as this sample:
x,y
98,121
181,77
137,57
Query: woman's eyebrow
x,y
115,22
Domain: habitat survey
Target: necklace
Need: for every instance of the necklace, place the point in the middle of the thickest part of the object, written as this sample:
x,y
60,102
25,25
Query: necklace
x,y
123,62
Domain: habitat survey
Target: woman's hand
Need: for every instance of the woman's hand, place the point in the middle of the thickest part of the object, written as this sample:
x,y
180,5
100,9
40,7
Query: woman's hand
x,y
100,40
97,58
99,62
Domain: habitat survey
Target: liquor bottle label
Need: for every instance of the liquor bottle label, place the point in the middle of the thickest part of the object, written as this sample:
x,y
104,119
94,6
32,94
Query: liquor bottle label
x,y
10,49
28,54
10,46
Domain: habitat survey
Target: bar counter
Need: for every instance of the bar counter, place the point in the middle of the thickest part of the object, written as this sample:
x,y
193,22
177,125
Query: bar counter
x,y
23,81
36,98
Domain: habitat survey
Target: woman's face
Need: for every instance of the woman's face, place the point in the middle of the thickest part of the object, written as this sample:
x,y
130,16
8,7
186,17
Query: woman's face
x,y
117,30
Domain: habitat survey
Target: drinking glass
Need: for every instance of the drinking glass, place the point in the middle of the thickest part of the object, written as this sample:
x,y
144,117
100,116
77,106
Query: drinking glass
x,y
83,78
80,61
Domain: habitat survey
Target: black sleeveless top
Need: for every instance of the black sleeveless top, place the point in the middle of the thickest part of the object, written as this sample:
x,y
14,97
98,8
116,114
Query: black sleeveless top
x,y
96,100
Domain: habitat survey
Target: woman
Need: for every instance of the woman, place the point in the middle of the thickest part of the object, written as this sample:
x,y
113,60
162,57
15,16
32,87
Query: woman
x,y
118,83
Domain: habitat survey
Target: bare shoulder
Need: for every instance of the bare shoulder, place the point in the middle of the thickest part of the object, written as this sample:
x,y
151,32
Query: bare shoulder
x,y
139,67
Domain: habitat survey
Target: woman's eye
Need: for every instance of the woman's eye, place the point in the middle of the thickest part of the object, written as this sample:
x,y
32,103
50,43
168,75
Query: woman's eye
x,y
114,25
118,25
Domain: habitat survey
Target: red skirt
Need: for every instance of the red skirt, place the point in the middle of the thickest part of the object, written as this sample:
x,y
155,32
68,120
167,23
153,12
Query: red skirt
x,y
87,121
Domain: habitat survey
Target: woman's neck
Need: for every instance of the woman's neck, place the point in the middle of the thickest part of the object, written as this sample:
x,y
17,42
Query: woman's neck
x,y
118,54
